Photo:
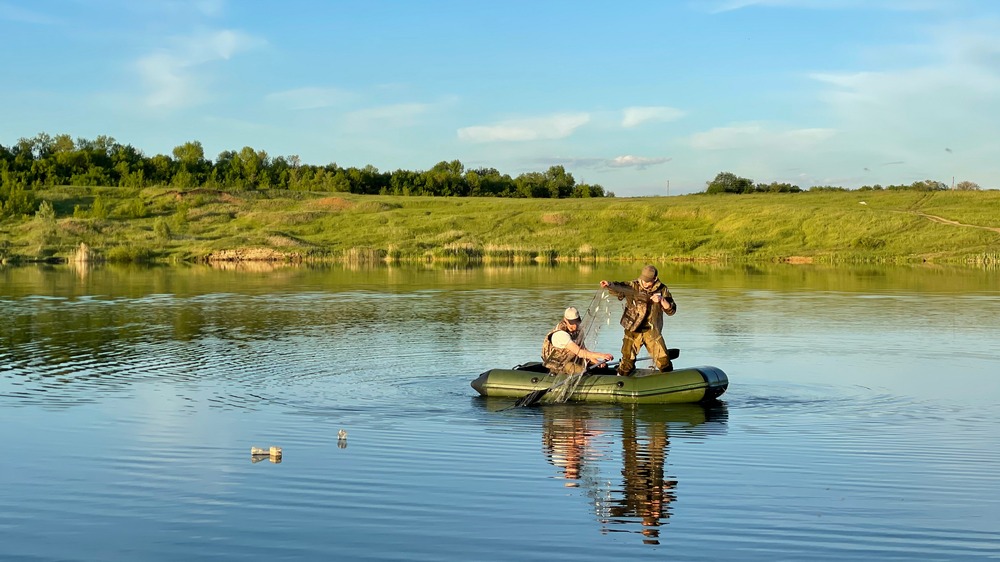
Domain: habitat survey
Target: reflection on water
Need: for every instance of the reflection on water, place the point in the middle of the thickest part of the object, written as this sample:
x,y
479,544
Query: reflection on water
x,y
129,280
646,495
861,414
641,501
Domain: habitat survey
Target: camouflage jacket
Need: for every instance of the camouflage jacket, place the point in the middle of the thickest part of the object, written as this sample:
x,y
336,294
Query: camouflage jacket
x,y
562,361
641,314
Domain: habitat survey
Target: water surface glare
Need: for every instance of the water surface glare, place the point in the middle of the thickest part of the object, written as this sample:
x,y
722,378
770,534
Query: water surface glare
x,y
862,421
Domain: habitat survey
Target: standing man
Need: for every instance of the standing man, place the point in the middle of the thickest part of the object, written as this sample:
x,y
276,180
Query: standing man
x,y
563,350
646,299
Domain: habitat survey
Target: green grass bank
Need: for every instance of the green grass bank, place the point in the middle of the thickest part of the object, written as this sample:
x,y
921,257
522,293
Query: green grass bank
x,y
167,225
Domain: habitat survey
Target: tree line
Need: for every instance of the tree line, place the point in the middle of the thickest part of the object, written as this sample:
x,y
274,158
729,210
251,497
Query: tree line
x,y
48,161
728,182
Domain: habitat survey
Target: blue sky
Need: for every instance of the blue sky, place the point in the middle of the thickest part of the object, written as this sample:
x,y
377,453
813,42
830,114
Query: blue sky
x,y
629,95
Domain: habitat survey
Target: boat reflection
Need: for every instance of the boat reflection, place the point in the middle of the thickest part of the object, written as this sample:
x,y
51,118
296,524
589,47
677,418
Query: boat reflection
x,y
579,441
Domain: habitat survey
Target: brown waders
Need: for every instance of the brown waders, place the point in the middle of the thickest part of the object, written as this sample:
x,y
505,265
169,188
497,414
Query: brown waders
x,y
655,345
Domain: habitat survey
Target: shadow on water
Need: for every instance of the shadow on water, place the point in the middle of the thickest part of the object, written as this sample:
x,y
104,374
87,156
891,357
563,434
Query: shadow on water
x,y
583,441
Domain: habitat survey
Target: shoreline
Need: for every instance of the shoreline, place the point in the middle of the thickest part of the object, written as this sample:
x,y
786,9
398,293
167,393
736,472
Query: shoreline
x,y
161,225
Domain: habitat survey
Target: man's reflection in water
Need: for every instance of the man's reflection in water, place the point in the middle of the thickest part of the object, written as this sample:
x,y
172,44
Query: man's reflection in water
x,y
641,504
647,495
567,445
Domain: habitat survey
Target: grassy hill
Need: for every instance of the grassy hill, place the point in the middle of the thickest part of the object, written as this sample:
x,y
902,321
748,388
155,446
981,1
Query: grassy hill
x,y
168,225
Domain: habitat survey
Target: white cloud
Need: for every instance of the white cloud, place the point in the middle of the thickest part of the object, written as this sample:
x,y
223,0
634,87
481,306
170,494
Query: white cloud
x,y
638,162
626,161
969,74
637,115
557,126
219,44
755,135
915,113
171,74
164,77
310,97
935,118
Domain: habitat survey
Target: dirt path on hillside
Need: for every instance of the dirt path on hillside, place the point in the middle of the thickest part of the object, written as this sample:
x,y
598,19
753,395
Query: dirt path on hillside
x,y
943,220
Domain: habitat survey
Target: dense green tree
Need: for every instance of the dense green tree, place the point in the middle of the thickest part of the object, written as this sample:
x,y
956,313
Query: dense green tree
x,y
367,180
98,151
280,173
24,154
532,184
94,175
99,209
929,185
294,172
190,154
249,165
777,187
473,182
586,190
6,156
493,183
336,179
921,185
728,182
445,178
191,166
16,201
226,172
44,161
405,182
62,144
161,169
41,146
129,165
560,182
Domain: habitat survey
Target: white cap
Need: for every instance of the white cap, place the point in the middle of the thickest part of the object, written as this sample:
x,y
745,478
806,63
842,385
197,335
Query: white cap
x,y
571,313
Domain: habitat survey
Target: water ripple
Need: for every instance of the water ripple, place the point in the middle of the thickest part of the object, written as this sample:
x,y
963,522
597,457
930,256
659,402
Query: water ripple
x,y
134,416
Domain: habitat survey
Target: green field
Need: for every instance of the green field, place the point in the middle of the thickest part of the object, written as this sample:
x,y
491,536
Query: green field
x,y
160,224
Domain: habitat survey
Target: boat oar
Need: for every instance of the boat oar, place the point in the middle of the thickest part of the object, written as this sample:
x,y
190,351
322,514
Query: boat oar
x,y
616,363
535,396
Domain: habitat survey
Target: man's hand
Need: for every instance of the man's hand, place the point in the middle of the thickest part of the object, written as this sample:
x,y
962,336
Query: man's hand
x,y
600,357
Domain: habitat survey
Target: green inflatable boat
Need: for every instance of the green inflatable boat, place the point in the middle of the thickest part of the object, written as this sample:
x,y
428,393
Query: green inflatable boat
x,y
643,386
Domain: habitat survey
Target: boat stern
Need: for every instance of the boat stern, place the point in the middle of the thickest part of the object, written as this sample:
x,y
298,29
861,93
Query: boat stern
x,y
716,380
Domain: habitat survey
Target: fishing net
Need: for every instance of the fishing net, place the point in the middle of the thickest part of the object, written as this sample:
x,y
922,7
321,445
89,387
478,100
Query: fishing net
x,y
597,316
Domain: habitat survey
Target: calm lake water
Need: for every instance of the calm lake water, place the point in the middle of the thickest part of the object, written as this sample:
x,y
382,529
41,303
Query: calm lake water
x,y
862,420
